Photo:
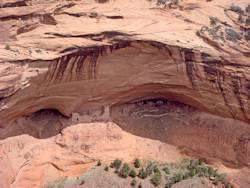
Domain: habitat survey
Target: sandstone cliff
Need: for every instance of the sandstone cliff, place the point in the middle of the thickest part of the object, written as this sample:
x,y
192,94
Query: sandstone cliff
x,y
77,57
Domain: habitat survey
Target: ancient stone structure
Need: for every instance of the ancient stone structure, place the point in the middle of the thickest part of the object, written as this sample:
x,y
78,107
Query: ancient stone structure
x,y
61,63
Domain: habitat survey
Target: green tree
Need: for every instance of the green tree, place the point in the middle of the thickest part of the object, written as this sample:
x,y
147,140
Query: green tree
x,y
116,164
142,174
124,172
132,173
133,183
166,170
137,163
156,169
106,168
156,179
99,163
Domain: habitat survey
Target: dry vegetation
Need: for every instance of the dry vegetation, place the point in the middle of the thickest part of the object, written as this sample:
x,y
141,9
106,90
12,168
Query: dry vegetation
x,y
136,174
222,31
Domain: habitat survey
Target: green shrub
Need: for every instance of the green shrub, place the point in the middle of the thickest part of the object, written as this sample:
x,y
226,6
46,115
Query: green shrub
x,y
213,20
156,179
232,35
247,35
124,172
99,163
133,183
116,164
142,174
132,173
7,47
137,163
93,15
236,8
156,169
106,168
149,169
166,170
247,8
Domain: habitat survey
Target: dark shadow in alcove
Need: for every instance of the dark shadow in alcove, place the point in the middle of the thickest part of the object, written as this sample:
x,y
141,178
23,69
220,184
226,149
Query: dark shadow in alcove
x,y
202,134
41,124
153,125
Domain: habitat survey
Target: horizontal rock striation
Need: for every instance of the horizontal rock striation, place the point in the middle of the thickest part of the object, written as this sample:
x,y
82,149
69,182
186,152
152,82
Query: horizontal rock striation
x,y
85,77
176,76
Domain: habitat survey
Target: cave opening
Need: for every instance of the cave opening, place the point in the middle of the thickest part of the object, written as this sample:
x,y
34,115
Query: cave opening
x,y
47,112
155,117
43,123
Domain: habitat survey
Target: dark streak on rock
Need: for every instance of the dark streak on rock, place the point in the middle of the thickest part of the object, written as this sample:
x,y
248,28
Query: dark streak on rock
x,y
115,17
157,45
241,149
18,3
77,57
223,92
93,36
236,90
248,88
80,63
190,67
216,75
211,68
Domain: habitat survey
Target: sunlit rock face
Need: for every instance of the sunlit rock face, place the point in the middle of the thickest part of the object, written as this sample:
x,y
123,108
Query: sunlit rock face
x,y
85,79
134,77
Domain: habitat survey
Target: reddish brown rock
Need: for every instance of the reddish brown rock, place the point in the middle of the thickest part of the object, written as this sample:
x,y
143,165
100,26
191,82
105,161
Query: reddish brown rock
x,y
77,57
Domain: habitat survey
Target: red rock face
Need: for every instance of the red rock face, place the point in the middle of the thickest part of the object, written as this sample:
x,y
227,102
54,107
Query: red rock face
x,y
32,162
171,77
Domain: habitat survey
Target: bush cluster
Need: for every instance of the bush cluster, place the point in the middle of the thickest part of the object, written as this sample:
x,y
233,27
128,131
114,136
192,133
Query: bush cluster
x,y
99,163
187,169
236,8
106,168
156,179
133,183
142,174
166,170
124,172
232,35
137,163
132,173
116,164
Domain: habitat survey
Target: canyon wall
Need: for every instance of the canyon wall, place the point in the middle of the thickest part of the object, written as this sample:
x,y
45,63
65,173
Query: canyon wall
x,y
162,83
127,71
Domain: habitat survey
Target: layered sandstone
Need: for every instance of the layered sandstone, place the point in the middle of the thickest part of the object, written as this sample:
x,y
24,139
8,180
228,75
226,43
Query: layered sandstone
x,y
86,61
29,162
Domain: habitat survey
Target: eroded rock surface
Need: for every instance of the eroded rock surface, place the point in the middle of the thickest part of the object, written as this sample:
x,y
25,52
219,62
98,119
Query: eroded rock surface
x,y
178,74
30,162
